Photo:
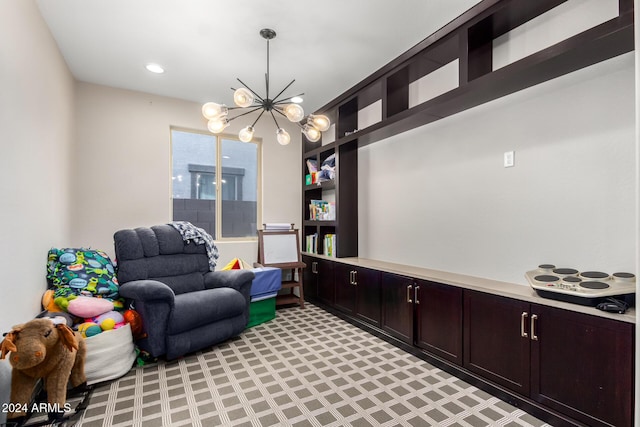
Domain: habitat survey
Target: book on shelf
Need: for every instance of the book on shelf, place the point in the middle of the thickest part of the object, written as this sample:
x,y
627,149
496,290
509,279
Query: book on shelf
x,y
329,245
311,243
320,210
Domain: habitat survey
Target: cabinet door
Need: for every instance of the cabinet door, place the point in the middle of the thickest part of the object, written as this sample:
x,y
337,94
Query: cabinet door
x,y
397,306
367,295
326,282
582,366
439,319
345,288
310,277
493,339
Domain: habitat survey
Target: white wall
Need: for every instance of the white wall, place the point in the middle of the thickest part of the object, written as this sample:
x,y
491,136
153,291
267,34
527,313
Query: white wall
x,y
439,197
122,176
36,118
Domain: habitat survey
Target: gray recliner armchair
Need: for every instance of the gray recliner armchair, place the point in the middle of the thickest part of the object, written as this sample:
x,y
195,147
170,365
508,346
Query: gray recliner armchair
x,y
184,307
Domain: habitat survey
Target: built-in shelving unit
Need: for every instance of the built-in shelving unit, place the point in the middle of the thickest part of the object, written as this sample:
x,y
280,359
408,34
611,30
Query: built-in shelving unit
x,y
456,68
451,70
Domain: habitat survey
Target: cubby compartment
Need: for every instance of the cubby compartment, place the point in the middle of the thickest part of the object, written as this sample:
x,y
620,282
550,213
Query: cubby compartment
x,y
435,71
397,92
330,135
348,117
308,145
309,239
327,241
488,38
370,105
555,25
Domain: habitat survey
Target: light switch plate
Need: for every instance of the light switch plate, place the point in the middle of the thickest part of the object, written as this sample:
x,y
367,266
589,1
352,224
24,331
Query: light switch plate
x,y
509,159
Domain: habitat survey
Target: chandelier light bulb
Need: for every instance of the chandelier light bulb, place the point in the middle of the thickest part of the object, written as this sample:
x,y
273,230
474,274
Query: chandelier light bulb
x,y
320,122
211,110
294,112
246,134
283,137
243,97
218,124
311,133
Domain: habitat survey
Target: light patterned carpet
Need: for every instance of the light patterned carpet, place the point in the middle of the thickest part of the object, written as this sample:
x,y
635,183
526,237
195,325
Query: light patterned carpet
x,y
304,368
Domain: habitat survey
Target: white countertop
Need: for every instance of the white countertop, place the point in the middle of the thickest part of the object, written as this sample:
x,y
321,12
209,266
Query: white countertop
x,y
511,290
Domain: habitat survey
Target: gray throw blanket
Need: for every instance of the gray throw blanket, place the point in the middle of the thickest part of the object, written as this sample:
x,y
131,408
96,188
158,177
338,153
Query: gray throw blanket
x,y
198,236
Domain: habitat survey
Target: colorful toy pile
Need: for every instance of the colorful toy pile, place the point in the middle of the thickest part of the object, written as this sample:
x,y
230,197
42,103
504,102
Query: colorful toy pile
x,y
84,284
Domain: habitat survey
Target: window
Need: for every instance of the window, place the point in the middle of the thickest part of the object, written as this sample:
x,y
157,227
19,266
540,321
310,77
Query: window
x,y
215,183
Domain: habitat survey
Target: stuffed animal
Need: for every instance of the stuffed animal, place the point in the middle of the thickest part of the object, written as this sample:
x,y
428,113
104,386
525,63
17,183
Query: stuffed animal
x,y
43,349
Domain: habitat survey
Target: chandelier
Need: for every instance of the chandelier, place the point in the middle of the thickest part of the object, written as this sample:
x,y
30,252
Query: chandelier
x,y
248,101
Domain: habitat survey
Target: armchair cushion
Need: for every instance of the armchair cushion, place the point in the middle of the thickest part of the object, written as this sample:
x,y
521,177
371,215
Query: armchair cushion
x,y
195,309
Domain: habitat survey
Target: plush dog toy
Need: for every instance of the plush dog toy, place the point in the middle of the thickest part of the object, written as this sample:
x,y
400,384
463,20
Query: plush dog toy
x,y
41,348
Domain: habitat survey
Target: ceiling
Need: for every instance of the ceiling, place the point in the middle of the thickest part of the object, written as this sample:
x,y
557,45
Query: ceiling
x,y
204,45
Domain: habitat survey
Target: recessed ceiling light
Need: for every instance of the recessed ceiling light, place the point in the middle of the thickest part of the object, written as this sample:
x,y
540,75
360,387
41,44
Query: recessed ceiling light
x,y
296,99
155,68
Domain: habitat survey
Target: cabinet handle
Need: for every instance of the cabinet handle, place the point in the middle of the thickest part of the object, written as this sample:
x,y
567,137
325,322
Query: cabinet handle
x,y
534,317
314,267
415,294
355,278
409,288
352,278
523,317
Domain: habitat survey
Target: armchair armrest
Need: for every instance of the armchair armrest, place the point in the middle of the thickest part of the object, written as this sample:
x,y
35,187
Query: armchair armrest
x,y
239,280
154,301
147,290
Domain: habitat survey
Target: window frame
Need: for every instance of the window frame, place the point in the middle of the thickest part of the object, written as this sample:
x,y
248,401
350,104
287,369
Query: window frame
x,y
219,166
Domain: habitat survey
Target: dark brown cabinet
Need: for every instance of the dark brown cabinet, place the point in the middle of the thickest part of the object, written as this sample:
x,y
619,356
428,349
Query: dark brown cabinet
x,y
358,292
493,339
310,279
345,289
438,311
398,293
574,363
320,281
582,365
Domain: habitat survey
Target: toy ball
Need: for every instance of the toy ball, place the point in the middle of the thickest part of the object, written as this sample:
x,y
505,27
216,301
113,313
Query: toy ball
x,y
89,329
107,324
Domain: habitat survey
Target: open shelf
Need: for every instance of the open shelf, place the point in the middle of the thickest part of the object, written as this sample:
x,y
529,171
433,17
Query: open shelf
x,y
322,185
469,39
